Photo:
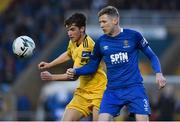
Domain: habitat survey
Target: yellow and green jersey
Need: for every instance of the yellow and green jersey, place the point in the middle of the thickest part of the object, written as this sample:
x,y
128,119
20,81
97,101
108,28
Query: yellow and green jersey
x,y
91,86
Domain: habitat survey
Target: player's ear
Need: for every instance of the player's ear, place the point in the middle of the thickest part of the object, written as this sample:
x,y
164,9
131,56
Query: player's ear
x,y
82,29
115,21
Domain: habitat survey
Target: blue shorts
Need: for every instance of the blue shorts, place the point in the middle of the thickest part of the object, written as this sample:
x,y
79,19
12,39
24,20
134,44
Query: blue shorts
x,y
134,98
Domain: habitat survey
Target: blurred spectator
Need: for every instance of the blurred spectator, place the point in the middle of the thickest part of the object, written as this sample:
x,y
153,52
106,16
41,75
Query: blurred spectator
x,y
166,104
55,104
154,107
98,4
23,108
3,107
80,4
53,100
9,69
169,5
177,109
2,61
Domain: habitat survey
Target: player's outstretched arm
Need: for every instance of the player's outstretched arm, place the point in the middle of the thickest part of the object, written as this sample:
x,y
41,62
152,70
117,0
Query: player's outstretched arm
x,y
93,64
160,79
47,76
61,59
43,65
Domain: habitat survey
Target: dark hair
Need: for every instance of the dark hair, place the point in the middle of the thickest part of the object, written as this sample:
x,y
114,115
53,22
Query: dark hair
x,y
78,19
109,10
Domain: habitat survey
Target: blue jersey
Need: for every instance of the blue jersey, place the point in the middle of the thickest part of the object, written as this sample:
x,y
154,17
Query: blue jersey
x,y
120,54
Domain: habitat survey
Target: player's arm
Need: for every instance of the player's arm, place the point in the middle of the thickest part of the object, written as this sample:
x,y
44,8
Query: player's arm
x,y
93,63
91,66
61,59
155,63
153,59
144,47
156,66
47,76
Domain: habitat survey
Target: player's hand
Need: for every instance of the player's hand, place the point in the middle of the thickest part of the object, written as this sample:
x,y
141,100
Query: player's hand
x,y
70,73
160,80
43,65
45,75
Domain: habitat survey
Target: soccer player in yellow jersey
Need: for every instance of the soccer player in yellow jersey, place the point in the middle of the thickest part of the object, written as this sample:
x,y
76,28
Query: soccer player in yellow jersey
x,y
88,95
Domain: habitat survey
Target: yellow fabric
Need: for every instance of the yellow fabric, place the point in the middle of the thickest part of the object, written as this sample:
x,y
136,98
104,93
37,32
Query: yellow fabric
x,y
4,5
83,105
91,86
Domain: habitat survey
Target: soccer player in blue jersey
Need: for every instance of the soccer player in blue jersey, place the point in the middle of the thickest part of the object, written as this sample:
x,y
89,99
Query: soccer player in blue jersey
x,y
119,48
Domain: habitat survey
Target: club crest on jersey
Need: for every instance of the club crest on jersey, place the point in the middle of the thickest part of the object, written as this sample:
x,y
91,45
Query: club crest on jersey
x,y
126,44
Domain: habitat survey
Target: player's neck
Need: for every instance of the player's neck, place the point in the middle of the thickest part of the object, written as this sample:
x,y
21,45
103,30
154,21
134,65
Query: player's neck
x,y
116,31
81,39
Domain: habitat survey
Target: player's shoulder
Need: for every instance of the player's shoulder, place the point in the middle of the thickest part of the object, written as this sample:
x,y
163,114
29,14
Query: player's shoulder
x,y
130,31
89,39
134,33
102,37
88,42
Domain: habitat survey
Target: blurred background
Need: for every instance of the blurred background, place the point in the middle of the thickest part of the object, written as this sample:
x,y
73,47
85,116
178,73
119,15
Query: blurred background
x,y
23,96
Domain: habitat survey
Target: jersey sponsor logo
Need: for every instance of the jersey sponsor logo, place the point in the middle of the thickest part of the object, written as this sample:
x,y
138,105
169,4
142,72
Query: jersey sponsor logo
x,y
86,54
85,57
120,57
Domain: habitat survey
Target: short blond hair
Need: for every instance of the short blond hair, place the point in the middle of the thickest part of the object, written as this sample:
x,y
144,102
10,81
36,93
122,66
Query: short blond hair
x,y
109,10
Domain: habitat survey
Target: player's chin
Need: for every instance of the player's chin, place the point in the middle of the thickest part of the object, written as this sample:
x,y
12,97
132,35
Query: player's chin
x,y
106,32
73,39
